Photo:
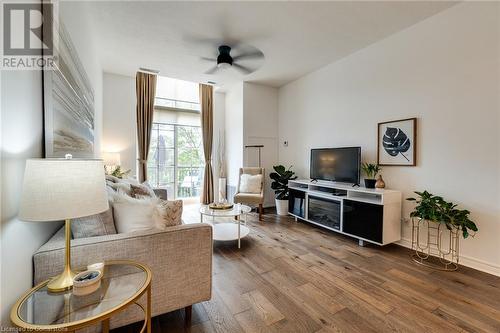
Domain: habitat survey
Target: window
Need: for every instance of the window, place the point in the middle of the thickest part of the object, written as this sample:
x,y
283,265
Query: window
x,y
177,94
176,153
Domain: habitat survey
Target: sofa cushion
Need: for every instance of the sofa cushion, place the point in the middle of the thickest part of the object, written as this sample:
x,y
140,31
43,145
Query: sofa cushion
x,y
94,225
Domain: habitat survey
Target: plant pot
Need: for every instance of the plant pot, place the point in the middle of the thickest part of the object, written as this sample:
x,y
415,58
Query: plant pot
x,y
370,183
282,207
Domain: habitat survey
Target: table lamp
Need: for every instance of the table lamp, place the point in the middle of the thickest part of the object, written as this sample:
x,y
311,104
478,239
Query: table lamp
x,y
62,189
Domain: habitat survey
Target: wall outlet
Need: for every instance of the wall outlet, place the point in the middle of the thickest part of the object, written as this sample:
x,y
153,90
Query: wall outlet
x,y
285,143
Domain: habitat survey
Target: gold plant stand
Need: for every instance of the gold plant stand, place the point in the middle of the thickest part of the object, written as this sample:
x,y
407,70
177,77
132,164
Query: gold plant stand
x,y
435,246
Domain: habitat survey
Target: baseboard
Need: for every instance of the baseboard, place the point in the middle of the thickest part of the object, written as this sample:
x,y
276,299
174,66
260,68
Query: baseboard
x,y
474,263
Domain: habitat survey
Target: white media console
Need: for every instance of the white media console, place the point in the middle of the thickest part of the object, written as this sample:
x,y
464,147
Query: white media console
x,y
372,215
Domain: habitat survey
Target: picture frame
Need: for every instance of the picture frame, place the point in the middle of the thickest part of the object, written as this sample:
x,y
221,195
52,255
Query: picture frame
x,y
397,142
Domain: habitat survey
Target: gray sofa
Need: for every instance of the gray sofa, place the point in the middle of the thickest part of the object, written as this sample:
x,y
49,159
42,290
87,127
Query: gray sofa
x,y
180,259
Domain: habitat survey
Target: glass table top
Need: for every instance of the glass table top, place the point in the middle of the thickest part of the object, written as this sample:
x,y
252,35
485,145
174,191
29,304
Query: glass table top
x,y
122,282
237,209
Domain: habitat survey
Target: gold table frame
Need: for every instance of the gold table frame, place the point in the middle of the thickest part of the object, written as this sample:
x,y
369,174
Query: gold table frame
x,y
102,318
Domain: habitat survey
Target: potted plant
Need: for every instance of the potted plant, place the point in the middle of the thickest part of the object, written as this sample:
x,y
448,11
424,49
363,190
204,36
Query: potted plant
x,y
118,172
280,178
434,208
371,171
436,225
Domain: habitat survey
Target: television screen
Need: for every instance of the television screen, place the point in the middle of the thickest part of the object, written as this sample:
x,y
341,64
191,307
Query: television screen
x,y
336,164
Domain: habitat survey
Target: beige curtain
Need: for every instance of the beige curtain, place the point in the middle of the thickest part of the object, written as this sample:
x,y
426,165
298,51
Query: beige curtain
x,y
145,88
206,101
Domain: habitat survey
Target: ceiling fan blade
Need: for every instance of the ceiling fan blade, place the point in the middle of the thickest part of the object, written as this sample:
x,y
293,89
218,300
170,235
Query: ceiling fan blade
x,y
208,59
212,70
248,56
242,69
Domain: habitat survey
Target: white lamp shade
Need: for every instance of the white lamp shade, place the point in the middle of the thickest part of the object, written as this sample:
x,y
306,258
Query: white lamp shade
x,y
111,158
59,189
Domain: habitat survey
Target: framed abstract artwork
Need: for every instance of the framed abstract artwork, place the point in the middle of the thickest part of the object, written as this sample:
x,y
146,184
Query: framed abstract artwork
x,y
397,142
68,99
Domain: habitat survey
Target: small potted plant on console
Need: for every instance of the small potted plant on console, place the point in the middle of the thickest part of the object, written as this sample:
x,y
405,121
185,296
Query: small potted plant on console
x,y
371,171
280,178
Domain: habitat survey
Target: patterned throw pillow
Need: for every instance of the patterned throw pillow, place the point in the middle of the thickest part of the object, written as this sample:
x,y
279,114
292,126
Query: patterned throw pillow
x,y
138,191
168,213
95,225
120,187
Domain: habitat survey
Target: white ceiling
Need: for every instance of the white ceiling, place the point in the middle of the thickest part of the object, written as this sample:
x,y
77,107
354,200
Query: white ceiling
x,y
296,37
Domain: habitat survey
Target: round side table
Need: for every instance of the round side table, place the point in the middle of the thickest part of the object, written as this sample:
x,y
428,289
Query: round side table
x,y
122,284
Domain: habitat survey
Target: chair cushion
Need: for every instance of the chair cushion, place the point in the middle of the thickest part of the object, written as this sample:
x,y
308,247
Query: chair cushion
x,y
248,198
250,183
94,225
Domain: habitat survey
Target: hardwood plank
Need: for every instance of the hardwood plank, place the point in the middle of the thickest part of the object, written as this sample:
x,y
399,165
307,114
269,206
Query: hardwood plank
x,y
348,321
220,316
251,322
263,308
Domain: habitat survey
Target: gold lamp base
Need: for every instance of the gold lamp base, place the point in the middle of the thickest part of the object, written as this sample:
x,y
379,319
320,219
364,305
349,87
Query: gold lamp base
x,y
64,281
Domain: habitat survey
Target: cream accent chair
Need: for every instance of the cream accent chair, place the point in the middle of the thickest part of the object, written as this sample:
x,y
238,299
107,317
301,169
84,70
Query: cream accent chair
x,y
251,199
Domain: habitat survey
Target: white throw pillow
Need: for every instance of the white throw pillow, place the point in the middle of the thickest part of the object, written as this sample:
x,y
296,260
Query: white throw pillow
x,y
133,214
250,183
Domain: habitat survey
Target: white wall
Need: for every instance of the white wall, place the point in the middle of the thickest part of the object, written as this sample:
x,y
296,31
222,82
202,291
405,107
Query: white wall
x,y
234,133
260,127
445,71
119,119
22,138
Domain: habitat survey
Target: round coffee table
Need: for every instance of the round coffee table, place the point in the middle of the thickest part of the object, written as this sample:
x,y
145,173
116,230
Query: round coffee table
x,y
122,284
230,230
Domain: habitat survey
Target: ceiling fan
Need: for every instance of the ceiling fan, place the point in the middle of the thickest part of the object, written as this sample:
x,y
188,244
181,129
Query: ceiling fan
x,y
225,60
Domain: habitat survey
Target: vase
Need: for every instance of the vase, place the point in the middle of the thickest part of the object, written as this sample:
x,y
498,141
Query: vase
x,y
380,182
222,190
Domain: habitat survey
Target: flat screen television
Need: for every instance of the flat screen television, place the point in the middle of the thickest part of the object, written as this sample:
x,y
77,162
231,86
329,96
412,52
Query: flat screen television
x,y
336,164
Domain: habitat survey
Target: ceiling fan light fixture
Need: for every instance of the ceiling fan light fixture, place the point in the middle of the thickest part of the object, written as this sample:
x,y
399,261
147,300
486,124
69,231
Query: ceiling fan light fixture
x,y
223,65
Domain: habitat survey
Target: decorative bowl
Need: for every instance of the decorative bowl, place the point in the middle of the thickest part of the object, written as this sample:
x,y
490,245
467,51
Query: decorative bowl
x,y
220,206
86,282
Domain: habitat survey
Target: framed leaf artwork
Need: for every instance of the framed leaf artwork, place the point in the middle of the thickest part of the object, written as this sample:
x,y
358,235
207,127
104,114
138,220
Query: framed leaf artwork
x,y
397,142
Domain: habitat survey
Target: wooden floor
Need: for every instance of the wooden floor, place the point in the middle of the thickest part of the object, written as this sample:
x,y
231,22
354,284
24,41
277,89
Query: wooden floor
x,y
293,277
